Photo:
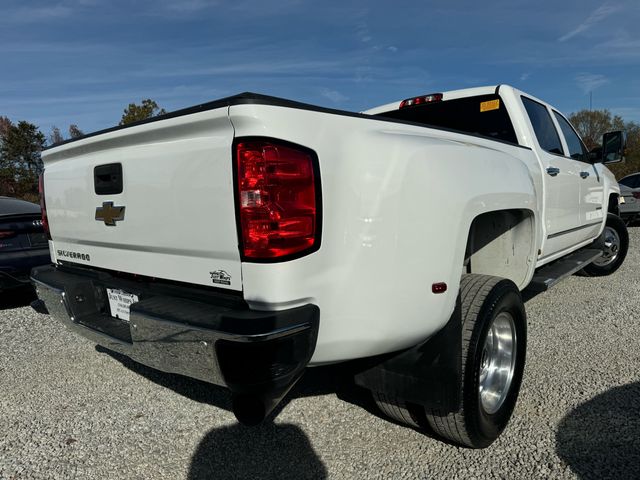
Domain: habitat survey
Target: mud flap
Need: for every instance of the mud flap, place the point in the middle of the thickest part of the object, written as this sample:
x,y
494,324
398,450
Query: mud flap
x,y
428,374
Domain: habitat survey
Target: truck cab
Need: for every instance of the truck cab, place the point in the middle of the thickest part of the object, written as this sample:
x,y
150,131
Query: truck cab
x,y
570,184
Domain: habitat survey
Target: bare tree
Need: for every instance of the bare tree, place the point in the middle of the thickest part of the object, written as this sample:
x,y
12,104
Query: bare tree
x,y
592,124
55,136
74,131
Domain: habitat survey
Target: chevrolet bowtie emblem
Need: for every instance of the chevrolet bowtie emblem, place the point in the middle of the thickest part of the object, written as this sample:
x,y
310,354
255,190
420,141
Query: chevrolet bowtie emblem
x,y
109,214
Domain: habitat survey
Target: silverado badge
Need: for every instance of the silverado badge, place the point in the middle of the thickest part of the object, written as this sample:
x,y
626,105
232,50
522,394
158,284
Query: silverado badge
x,y
109,214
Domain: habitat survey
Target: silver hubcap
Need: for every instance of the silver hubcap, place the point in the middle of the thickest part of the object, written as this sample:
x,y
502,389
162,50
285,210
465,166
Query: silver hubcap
x,y
611,248
498,363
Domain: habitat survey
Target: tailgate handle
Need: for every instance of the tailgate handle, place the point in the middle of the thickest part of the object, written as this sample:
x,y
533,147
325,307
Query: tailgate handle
x,y
107,179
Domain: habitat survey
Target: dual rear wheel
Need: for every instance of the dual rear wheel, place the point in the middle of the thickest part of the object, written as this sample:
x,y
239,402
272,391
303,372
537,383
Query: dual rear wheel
x,y
494,331
492,358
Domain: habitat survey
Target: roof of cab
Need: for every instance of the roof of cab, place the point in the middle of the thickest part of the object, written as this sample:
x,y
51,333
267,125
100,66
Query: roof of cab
x,y
448,95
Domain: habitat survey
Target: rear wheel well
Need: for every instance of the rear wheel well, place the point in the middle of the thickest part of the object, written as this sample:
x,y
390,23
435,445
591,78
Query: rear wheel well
x,y
500,243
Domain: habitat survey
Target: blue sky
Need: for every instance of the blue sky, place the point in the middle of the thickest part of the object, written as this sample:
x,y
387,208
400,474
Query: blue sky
x,y
83,61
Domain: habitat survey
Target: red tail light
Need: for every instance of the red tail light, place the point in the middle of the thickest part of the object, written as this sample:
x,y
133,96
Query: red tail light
x,y
636,195
278,196
43,206
6,234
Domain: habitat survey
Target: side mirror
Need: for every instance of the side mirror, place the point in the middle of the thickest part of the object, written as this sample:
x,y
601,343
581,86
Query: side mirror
x,y
595,154
614,145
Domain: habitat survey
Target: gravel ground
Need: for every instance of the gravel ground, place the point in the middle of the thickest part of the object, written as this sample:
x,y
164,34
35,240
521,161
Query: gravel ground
x,y
71,410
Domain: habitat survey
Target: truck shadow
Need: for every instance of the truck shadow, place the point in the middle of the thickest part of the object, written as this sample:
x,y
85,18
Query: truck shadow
x,y
237,451
267,451
528,294
316,381
601,438
17,297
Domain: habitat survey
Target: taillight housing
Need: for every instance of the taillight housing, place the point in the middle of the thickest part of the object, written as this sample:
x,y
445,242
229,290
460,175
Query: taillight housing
x,y
636,195
43,206
277,199
412,102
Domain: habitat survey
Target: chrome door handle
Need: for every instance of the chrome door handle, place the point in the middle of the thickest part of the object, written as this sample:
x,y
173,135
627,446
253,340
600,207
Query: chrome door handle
x,y
553,171
584,174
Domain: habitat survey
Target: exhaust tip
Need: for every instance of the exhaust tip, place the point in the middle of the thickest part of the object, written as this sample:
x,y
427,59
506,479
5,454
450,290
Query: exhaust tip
x,y
250,410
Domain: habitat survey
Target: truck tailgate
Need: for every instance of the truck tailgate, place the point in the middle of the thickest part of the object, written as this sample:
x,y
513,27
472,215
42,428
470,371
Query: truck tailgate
x,y
177,192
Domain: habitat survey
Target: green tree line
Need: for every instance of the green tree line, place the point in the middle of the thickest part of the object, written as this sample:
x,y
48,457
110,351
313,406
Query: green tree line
x,y
21,143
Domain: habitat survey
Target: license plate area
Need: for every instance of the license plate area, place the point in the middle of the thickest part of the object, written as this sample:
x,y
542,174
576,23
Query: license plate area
x,y
120,303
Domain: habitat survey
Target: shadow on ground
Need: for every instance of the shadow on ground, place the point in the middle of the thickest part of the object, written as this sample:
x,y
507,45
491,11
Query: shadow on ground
x,y
316,381
265,452
601,438
17,297
269,450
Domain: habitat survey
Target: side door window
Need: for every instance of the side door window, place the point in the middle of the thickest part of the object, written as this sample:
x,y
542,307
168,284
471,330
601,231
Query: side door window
x,y
543,126
577,150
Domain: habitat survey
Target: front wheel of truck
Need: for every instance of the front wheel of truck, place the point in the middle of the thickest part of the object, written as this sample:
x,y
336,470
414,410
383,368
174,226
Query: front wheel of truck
x,y
494,331
614,243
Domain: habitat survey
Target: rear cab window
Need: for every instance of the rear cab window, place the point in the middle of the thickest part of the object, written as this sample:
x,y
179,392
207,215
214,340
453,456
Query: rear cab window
x,y
543,126
482,115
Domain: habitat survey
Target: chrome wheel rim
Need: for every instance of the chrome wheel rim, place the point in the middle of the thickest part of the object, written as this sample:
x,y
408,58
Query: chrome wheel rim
x,y
611,248
497,363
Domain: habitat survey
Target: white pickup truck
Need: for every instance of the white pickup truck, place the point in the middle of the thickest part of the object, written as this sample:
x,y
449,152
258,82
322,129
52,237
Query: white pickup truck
x,y
240,241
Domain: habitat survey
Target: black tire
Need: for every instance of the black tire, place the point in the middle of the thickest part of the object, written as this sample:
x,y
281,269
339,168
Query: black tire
x,y
615,226
397,409
483,298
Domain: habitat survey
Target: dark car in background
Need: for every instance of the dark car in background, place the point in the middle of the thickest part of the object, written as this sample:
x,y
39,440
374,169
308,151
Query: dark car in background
x,y
23,242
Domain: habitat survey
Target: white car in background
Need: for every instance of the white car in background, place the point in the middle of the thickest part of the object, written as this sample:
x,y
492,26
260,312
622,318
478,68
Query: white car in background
x,y
630,192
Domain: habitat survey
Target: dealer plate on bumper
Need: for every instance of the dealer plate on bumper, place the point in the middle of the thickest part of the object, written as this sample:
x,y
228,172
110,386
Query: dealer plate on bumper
x,y
120,302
